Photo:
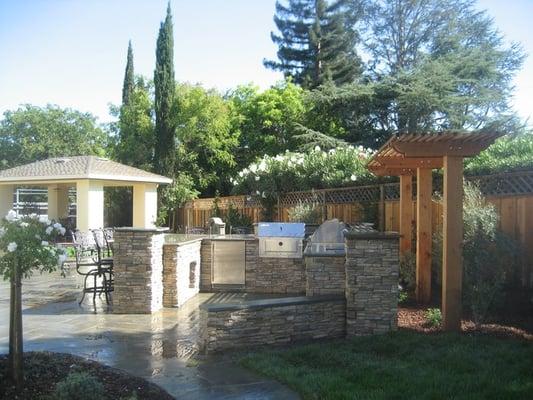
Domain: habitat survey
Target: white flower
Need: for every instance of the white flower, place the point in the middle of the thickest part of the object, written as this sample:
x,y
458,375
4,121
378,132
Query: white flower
x,y
317,148
11,216
241,174
353,178
263,195
11,247
43,219
62,231
57,226
62,258
262,166
49,230
257,178
24,224
2,231
253,168
257,192
44,243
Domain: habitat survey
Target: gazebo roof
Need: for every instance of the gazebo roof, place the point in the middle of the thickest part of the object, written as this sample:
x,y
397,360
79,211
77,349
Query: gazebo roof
x,y
402,155
77,168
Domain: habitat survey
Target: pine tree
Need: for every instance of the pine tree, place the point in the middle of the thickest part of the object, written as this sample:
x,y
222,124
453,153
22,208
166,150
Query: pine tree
x,y
317,41
129,77
165,87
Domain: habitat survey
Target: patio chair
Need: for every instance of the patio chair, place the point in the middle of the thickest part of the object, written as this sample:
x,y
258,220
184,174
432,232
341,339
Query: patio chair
x,y
91,264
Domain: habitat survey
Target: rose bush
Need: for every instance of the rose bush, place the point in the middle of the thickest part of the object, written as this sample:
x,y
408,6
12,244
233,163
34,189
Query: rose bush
x,y
26,245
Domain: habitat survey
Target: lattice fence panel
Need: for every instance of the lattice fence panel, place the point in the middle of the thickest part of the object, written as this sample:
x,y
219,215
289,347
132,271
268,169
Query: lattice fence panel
x,y
294,198
353,195
505,184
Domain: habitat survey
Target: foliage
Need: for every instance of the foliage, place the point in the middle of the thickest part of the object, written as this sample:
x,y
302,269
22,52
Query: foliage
x,y
33,133
408,271
309,213
165,86
380,367
129,77
316,41
28,244
489,256
265,121
79,386
433,317
176,194
207,143
403,296
136,131
509,153
317,169
118,206
444,64
234,219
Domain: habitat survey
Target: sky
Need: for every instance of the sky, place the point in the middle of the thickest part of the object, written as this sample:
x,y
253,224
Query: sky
x,y
73,52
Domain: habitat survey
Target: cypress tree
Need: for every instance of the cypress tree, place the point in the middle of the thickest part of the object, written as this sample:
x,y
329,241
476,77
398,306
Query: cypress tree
x,y
317,41
165,86
129,77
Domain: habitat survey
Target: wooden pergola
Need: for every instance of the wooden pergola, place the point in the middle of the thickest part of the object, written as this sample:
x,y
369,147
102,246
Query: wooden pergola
x,y
418,154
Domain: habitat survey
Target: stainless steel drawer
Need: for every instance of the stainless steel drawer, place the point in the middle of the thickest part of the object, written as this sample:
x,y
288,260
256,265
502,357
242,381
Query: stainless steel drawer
x,y
228,265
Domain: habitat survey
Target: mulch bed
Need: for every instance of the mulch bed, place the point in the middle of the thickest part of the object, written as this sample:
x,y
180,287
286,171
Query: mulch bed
x,y
43,370
413,318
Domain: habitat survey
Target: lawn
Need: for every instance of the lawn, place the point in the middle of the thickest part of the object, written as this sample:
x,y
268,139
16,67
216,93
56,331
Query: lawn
x,y
403,365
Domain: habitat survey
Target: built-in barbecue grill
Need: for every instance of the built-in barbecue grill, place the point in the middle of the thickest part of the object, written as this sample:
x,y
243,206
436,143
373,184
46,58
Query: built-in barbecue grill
x,y
280,240
328,239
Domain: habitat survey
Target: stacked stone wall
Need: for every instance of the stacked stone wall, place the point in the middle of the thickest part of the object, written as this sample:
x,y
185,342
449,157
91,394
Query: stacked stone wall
x,y
325,275
181,272
372,268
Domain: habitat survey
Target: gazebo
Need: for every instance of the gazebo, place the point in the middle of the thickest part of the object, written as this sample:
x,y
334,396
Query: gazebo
x,y
88,175
417,155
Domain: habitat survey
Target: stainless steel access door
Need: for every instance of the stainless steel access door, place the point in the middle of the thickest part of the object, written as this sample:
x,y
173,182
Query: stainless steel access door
x,y
228,262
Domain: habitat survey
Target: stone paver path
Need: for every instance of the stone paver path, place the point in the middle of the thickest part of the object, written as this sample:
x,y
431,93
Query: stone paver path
x,y
156,347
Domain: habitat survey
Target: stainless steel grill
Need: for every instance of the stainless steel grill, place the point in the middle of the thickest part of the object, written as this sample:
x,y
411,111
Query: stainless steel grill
x,y
280,240
328,239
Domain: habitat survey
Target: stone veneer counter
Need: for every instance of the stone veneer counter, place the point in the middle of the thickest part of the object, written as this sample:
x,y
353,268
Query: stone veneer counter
x,y
271,321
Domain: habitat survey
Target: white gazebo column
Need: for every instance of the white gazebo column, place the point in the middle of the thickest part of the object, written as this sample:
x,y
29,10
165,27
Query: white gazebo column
x,y
57,202
89,205
6,199
144,205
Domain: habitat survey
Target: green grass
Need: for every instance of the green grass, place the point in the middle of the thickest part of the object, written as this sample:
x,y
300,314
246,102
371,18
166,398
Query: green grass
x,y
403,365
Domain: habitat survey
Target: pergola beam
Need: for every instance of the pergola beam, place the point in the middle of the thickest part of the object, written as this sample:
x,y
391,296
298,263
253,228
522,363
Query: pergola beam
x,y
423,235
438,149
410,162
452,252
406,214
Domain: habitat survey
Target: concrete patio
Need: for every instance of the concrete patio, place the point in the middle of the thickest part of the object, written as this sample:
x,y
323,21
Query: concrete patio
x,y
156,347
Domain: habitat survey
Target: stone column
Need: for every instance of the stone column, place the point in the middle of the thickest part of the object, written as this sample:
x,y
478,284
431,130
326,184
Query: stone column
x,y
372,268
138,267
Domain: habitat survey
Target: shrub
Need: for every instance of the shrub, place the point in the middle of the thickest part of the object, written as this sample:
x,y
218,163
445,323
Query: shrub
x,y
309,213
433,317
79,386
489,256
403,296
408,271
234,218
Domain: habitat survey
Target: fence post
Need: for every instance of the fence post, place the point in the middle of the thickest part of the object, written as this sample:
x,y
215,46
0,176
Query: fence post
x,y
381,208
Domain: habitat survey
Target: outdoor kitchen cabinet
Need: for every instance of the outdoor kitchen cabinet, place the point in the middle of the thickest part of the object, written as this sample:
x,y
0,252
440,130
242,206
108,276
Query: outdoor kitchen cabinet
x,y
228,262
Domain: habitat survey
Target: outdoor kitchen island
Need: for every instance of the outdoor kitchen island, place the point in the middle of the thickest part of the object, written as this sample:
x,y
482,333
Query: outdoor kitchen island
x,y
287,293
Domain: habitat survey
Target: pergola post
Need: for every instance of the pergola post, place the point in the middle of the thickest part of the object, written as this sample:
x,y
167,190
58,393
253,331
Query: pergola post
x,y
6,199
452,257
144,205
89,205
406,214
57,202
423,235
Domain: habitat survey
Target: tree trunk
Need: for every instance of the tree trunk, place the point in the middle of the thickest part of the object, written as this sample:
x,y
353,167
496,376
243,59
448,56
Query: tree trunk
x,y
11,321
16,346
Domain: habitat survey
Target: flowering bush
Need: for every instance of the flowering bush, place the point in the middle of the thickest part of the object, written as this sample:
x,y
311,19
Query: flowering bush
x,y
27,244
317,169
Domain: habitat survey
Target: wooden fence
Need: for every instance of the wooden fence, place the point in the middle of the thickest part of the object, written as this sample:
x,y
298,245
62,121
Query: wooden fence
x,y
511,193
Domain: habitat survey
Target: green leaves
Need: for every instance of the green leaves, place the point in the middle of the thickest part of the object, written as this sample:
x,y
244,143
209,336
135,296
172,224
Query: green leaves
x,y
33,133
27,243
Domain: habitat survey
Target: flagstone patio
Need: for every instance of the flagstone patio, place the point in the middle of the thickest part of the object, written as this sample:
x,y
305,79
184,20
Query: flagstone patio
x,y
156,347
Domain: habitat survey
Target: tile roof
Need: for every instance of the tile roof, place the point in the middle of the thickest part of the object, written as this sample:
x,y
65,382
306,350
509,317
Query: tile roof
x,y
79,167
